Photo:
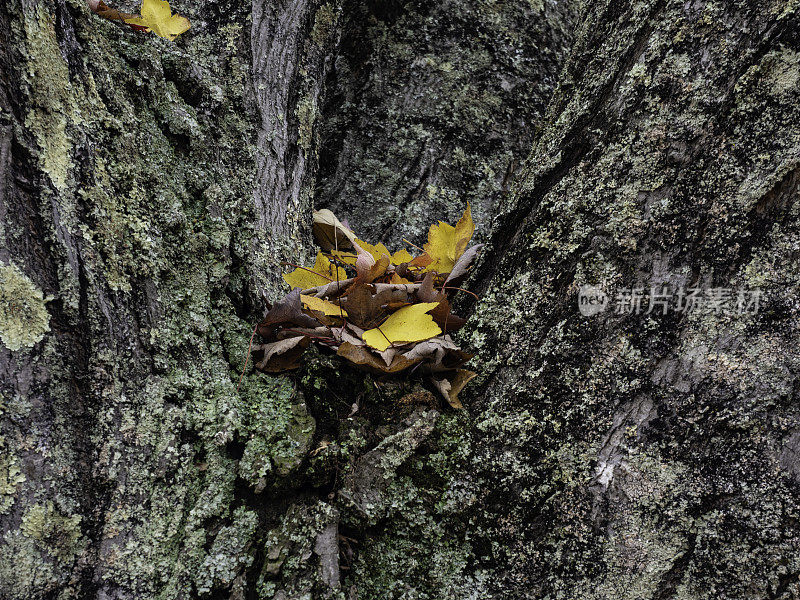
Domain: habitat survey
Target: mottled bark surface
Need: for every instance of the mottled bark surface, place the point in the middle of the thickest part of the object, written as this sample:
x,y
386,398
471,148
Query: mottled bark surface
x,y
149,191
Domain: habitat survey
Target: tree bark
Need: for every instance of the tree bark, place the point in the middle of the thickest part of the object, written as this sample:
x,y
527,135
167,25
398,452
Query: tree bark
x,y
149,191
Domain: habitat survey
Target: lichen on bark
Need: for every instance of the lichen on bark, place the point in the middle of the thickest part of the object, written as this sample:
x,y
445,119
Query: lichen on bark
x,y
151,189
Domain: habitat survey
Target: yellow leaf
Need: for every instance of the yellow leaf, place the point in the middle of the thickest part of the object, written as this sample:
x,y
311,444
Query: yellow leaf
x,y
158,18
396,279
447,243
409,324
401,256
377,250
323,306
465,229
323,272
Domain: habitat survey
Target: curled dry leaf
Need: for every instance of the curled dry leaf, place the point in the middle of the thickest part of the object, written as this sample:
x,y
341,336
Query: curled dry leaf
x,y
360,355
329,290
102,9
442,314
438,354
279,356
451,385
427,292
369,268
287,311
463,263
330,233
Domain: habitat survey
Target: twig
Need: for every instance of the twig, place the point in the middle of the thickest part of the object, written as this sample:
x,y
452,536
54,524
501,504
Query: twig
x,y
288,264
413,245
460,290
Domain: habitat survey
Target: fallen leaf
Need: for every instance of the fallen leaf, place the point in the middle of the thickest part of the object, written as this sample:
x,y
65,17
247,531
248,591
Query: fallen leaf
x,y
465,229
438,354
447,243
402,257
397,279
157,17
421,261
441,314
112,14
427,292
434,347
287,310
446,319
409,324
330,232
351,334
379,250
360,355
323,272
368,268
323,306
365,308
451,385
282,355
463,263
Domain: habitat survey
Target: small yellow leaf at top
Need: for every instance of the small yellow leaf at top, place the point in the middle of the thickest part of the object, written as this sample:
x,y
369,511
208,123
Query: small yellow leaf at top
x,y
158,18
323,306
408,324
447,243
323,272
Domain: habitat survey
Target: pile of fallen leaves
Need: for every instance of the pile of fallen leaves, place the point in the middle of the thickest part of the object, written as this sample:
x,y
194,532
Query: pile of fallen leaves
x,y
156,16
387,313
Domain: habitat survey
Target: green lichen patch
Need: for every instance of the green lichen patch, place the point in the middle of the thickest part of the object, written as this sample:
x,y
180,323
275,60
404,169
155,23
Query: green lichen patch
x,y
59,535
10,477
23,315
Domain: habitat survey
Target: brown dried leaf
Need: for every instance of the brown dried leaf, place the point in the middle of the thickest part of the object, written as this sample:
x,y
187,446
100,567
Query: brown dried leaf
x,y
441,314
427,292
330,232
365,308
279,356
362,357
288,310
451,385
447,320
432,350
438,354
463,263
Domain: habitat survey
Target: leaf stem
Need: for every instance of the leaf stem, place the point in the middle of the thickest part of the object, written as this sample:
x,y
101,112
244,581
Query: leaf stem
x,y
413,245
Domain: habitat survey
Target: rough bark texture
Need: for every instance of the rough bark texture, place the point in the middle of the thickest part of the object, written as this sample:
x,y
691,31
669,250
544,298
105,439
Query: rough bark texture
x,y
149,191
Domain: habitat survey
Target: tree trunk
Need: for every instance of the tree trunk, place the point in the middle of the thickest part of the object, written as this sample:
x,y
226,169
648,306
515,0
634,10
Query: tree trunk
x,y
149,191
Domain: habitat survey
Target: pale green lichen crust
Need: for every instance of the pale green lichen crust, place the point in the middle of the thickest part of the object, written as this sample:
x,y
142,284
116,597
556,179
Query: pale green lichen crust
x,y
24,319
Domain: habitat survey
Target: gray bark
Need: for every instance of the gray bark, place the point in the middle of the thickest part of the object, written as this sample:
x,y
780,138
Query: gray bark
x,y
149,191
